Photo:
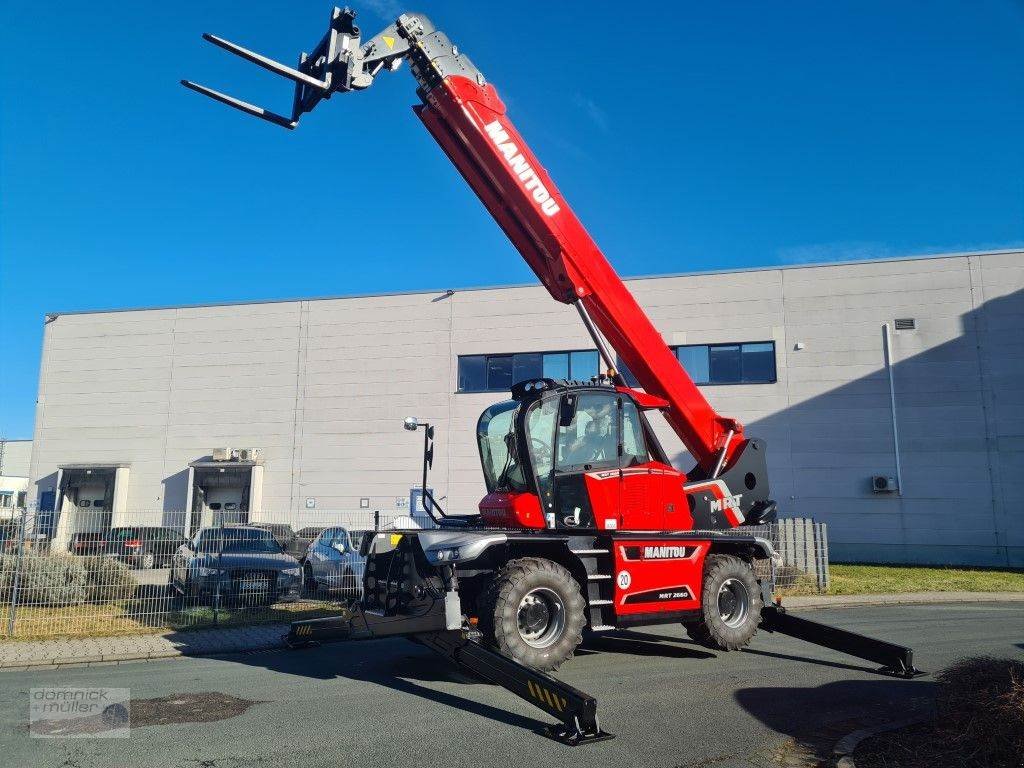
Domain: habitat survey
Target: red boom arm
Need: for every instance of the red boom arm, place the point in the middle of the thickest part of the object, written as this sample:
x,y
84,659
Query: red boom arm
x,y
468,120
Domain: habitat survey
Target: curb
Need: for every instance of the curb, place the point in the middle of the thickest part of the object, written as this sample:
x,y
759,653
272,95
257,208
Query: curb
x,y
228,644
810,603
842,753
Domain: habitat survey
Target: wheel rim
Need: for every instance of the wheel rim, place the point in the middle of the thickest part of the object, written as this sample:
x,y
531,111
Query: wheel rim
x,y
148,560
541,617
733,602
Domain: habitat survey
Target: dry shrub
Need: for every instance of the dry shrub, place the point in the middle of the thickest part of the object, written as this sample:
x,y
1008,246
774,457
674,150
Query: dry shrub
x,y
791,581
981,709
108,579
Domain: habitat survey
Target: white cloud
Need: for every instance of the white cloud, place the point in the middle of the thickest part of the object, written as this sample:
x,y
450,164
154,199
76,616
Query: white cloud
x,y
815,253
389,10
590,108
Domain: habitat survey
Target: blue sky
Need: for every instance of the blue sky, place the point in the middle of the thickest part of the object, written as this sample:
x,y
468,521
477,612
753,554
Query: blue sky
x,y
711,136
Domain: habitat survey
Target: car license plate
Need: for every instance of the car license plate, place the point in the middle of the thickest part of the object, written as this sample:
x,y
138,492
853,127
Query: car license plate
x,y
252,585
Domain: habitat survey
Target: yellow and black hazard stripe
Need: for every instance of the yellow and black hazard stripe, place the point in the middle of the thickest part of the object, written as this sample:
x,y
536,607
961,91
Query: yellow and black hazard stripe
x,y
303,629
544,696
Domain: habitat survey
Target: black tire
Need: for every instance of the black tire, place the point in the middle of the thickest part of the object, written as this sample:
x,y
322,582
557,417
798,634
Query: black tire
x,y
534,612
730,605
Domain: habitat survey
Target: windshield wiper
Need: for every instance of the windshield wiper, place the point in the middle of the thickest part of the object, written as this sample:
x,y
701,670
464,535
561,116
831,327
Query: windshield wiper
x,y
510,444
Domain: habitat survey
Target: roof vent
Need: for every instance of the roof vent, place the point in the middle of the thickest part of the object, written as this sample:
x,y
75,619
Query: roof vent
x,y
906,324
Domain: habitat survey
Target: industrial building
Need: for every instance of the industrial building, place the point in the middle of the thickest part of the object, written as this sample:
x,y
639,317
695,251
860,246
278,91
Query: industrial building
x,y
15,456
890,393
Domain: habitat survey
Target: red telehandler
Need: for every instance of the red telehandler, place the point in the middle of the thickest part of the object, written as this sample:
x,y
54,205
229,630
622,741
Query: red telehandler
x,y
586,527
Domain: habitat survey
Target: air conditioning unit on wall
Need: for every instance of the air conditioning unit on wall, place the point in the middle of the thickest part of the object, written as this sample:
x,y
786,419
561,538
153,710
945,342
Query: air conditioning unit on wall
x,y
883,484
254,455
224,454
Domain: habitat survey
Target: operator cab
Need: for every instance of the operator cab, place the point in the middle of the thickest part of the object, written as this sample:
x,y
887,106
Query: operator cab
x,y
568,454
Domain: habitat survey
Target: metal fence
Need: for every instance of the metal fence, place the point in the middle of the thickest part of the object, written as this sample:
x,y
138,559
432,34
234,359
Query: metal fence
x,y
802,544
88,574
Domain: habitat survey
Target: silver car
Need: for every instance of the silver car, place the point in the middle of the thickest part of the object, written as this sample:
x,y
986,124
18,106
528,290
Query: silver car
x,y
332,563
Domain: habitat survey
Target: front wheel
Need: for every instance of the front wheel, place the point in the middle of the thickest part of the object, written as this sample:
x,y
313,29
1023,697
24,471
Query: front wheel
x,y
730,605
534,612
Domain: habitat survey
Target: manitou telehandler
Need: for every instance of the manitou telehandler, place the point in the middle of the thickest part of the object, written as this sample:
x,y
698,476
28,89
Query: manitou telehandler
x,y
586,526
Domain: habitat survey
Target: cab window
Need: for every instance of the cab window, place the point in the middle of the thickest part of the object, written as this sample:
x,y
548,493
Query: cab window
x,y
634,450
591,437
540,431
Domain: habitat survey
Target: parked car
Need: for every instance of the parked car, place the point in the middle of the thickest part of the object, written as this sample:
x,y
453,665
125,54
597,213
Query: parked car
x,y
332,563
143,546
303,538
88,543
242,564
282,533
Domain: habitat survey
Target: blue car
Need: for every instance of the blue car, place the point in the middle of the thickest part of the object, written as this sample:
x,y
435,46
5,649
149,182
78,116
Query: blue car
x,y
332,563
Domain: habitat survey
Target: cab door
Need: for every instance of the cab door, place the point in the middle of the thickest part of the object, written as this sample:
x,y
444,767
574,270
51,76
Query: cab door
x,y
586,478
639,490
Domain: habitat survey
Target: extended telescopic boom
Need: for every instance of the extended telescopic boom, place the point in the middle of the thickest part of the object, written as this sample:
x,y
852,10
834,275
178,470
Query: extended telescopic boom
x,y
466,117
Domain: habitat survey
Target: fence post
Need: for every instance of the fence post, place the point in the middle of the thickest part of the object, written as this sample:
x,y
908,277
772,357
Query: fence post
x,y
220,572
17,574
376,520
821,533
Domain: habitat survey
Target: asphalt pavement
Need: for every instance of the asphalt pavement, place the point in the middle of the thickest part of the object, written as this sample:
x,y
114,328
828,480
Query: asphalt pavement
x,y
392,703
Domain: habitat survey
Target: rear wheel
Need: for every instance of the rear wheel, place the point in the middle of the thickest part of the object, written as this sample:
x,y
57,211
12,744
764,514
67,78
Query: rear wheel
x,y
730,605
533,611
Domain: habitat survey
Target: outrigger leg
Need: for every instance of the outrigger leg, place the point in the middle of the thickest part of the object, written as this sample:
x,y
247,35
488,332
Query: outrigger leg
x,y
575,710
896,660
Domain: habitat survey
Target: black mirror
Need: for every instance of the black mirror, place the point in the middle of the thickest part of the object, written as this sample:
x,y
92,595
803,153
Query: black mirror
x,y
567,410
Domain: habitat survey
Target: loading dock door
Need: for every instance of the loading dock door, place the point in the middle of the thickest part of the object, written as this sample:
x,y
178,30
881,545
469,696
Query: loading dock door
x,y
221,493
86,499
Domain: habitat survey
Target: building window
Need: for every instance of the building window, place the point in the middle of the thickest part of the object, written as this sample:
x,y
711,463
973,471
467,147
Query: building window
x,y
6,500
709,364
498,373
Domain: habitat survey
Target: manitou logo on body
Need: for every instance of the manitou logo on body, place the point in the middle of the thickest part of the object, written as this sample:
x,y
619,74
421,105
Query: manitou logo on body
x,y
521,168
728,502
665,553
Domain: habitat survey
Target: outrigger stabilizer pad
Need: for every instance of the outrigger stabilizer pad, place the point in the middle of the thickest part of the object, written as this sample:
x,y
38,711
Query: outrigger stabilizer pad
x,y
896,660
